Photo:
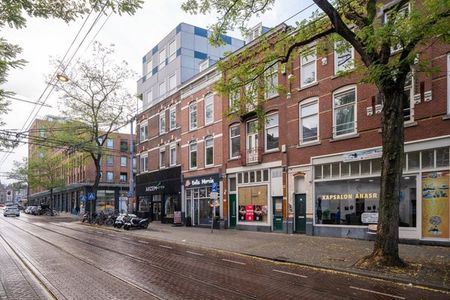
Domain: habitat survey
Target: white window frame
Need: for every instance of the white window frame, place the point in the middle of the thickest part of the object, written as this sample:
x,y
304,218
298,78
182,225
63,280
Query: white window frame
x,y
173,113
448,84
191,145
107,177
162,122
149,97
310,51
407,7
143,136
412,89
174,85
304,103
121,161
123,174
267,128
162,91
143,162
271,82
108,145
208,139
162,154
355,127
233,97
193,111
162,59
209,103
238,137
349,64
150,67
173,161
172,50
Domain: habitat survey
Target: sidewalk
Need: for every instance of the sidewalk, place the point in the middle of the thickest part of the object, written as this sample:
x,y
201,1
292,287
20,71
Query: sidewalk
x,y
430,264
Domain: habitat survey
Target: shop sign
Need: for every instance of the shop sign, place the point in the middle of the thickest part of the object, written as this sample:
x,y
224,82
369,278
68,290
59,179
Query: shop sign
x,y
249,213
350,196
202,181
362,155
435,204
369,218
153,188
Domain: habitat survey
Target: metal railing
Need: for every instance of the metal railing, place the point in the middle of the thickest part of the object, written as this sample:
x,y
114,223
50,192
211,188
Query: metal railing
x,y
252,155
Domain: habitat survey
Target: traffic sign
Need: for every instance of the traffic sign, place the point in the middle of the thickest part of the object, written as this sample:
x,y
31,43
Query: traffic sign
x,y
130,194
91,196
214,187
214,195
83,198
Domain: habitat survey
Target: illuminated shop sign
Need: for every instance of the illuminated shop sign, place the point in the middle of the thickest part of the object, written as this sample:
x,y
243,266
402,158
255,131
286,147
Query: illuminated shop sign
x,y
350,196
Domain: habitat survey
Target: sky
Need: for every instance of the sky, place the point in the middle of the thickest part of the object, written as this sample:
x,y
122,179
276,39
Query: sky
x,y
132,36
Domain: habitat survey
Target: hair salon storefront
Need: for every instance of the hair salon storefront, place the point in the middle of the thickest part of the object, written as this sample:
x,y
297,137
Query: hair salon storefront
x,y
346,191
159,194
198,202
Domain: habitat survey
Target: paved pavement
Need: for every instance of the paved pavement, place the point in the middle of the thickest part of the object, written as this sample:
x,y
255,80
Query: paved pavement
x,y
75,261
430,265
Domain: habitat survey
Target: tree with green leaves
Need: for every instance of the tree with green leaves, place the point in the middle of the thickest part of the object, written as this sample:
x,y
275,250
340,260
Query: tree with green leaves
x,y
95,103
388,37
14,13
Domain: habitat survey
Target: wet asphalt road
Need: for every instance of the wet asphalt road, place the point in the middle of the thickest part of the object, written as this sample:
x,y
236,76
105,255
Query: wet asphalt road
x,y
42,259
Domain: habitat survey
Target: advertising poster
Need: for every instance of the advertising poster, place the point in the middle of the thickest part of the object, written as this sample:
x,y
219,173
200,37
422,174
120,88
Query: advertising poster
x,y
435,207
249,213
242,212
258,213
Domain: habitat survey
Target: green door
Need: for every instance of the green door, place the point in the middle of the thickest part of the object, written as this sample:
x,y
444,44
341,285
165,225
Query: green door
x,y
300,213
232,210
277,213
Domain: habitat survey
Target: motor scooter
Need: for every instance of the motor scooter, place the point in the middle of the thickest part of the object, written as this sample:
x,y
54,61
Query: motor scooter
x,y
136,223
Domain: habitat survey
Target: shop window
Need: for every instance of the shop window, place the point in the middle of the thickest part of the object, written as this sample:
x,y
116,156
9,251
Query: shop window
x,y
252,204
326,171
413,160
343,56
252,177
318,172
435,204
309,122
271,79
173,117
235,141
335,170
428,159
272,134
354,168
344,112
308,67
144,204
162,122
365,167
345,169
442,157
209,151
239,175
192,116
376,166
258,176
193,155
209,108
266,175
245,177
351,201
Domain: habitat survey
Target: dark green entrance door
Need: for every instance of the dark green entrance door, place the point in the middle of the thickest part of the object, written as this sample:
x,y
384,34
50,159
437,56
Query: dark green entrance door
x,y
300,213
232,210
277,213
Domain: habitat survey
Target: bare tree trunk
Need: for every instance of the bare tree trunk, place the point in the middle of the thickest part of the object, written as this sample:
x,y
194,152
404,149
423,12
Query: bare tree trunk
x,y
385,250
96,183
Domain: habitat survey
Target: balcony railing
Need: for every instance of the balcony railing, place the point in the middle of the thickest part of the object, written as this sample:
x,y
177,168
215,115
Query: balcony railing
x,y
252,155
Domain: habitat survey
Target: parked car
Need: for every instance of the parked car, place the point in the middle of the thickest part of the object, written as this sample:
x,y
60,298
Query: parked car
x,y
11,210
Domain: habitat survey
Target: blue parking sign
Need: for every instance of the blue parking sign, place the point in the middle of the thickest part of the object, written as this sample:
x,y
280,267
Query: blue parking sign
x,y
214,187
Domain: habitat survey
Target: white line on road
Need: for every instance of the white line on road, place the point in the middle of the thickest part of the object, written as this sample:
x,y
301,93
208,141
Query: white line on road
x,y
375,292
234,262
143,242
167,247
195,253
289,273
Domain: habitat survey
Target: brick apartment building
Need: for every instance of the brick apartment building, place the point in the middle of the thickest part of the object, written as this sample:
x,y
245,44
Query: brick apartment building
x,y
115,172
314,166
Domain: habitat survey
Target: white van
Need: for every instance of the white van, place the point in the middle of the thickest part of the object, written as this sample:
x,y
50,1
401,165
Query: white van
x,y
11,210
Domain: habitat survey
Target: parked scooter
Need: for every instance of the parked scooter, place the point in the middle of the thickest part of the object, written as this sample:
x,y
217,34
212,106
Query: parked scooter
x,y
122,219
136,223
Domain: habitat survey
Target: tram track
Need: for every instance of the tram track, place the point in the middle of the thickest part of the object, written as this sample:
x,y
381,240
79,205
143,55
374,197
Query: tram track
x,y
198,281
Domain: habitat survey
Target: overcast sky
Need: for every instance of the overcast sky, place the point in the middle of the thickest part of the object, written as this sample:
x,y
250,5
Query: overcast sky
x,y
133,36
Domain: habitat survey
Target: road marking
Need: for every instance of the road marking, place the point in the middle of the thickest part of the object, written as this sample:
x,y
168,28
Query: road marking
x,y
289,273
195,253
233,261
167,247
143,242
111,235
375,292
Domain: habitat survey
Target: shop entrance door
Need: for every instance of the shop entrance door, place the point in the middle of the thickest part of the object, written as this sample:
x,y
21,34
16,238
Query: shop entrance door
x,y
300,213
232,210
156,211
277,213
